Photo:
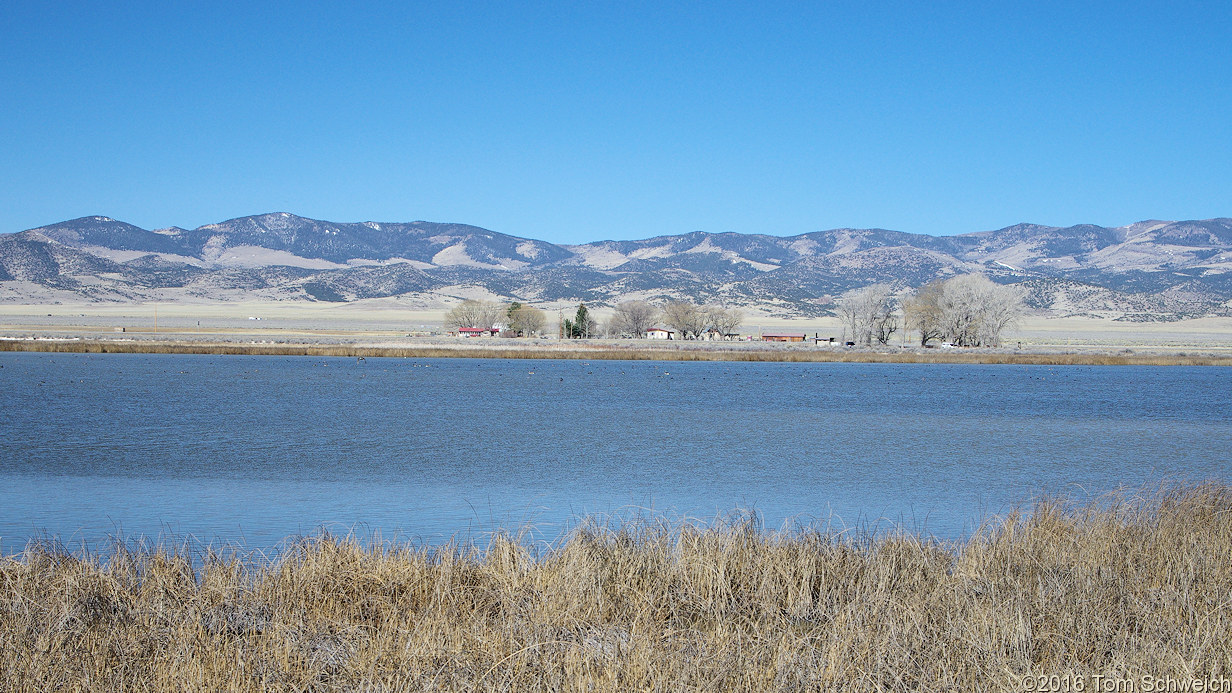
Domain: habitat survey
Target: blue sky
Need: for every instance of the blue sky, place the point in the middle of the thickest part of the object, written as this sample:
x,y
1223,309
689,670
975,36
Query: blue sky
x,y
583,121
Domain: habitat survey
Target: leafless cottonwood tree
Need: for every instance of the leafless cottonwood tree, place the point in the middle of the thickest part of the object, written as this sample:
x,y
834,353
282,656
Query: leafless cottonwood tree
x,y
922,312
633,317
472,313
885,324
869,314
525,320
969,310
688,320
725,321
992,307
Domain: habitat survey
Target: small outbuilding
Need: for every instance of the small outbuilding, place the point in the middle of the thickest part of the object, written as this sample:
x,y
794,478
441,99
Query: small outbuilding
x,y
782,337
659,333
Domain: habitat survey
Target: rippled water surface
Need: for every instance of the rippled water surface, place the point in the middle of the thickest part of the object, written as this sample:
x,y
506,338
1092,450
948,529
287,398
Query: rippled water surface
x,y
255,449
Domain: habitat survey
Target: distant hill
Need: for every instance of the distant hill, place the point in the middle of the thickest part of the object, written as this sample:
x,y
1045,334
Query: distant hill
x,y
1147,270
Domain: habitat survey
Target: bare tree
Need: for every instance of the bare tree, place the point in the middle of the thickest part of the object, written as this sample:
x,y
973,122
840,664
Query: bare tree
x,y
851,313
472,313
1000,307
975,311
686,318
725,321
922,312
885,324
633,317
960,311
869,314
525,320
1003,311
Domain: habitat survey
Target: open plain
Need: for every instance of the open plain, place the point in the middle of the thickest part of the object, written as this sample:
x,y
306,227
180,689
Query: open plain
x,y
388,327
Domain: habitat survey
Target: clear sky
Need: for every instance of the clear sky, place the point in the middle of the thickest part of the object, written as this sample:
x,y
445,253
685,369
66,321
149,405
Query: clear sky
x,y
580,121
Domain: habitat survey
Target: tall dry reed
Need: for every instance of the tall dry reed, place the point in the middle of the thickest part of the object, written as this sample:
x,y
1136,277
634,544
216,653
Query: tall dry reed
x,y
1127,588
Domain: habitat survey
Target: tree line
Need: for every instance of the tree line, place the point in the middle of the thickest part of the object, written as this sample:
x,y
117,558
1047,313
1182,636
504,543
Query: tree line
x,y
514,319
633,318
689,320
968,310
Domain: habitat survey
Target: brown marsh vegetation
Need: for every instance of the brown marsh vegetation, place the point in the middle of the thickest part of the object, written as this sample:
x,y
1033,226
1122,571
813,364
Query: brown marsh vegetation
x,y
1128,586
596,352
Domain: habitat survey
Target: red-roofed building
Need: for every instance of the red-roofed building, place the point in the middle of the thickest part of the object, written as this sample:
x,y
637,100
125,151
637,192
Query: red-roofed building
x,y
782,337
478,331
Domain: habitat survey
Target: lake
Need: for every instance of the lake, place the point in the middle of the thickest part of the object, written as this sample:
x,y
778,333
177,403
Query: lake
x,y
251,450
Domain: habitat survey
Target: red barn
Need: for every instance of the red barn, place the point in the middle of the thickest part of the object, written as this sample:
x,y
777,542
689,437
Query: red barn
x,y
782,337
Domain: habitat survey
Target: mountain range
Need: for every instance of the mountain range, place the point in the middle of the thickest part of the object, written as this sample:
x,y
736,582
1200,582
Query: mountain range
x,y
1147,270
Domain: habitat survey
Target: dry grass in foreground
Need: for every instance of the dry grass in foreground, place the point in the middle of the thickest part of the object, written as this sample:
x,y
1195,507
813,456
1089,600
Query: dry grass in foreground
x,y
1127,588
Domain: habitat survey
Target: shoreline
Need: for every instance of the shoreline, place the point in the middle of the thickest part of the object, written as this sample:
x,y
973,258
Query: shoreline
x,y
589,350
